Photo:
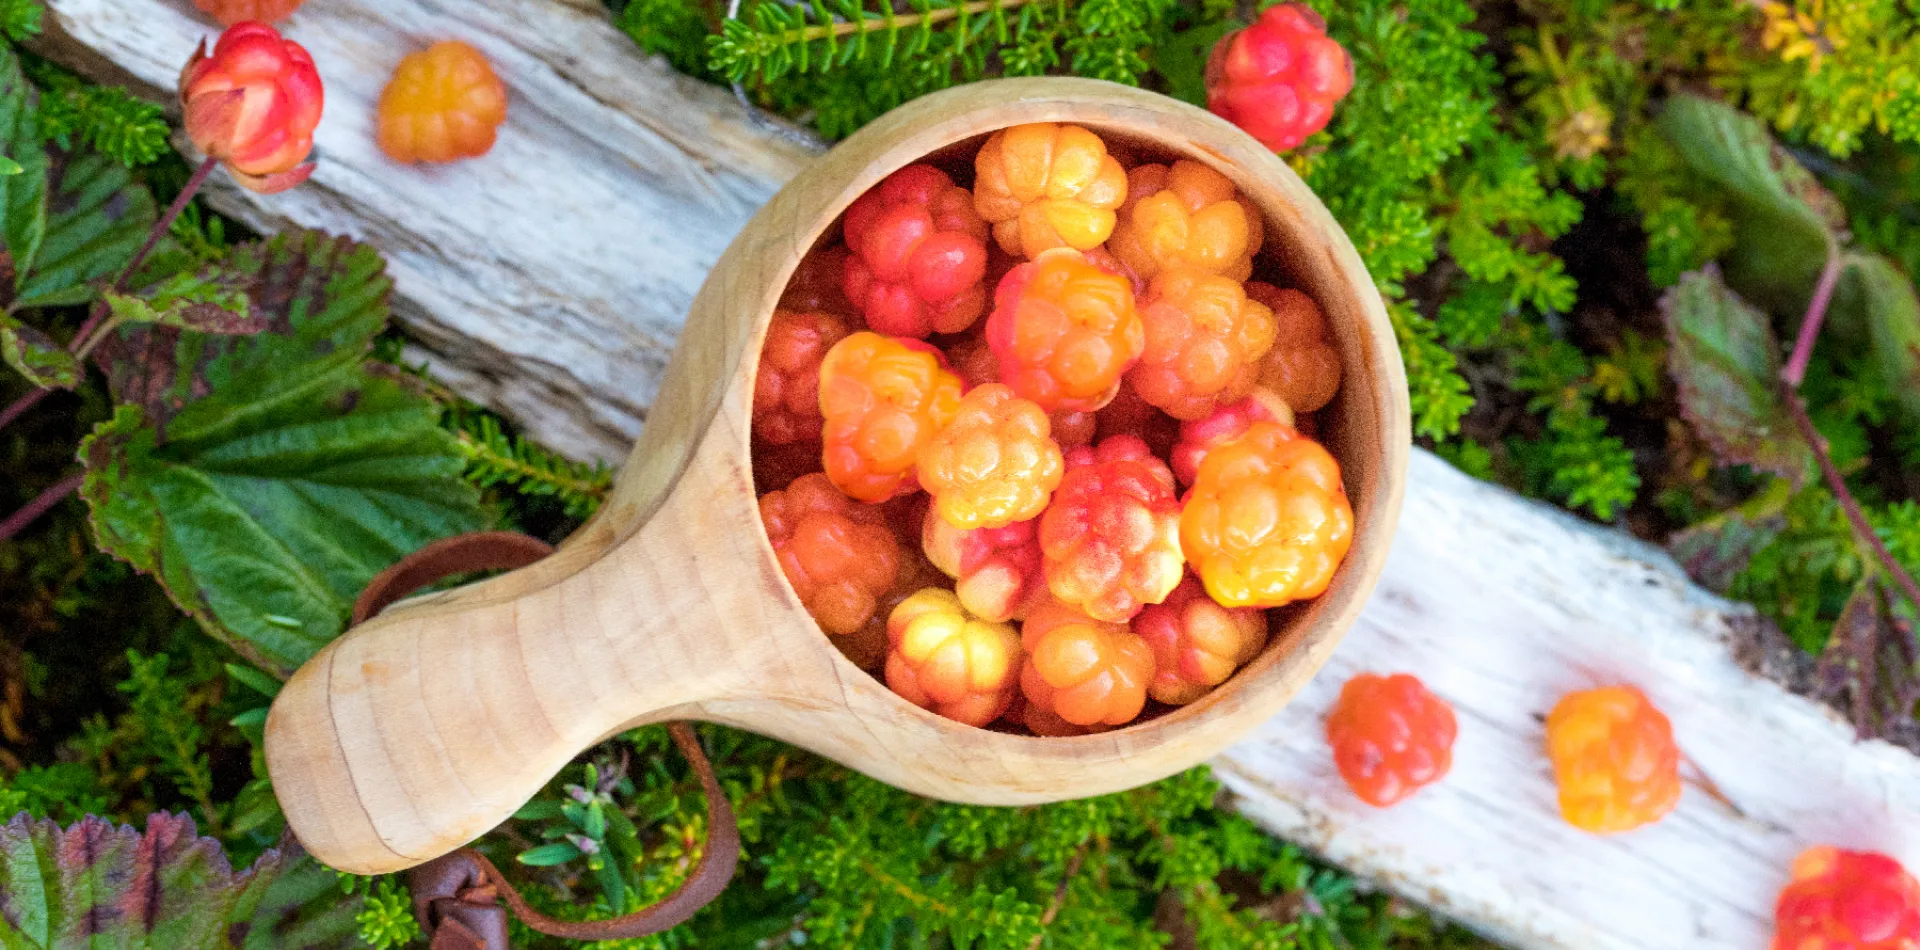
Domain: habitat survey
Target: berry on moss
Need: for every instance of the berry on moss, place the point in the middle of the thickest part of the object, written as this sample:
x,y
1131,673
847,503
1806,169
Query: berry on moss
x,y
1279,78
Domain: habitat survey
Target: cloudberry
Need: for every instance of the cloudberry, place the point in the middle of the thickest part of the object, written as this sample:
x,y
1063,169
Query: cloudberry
x,y
1302,367
229,12
1186,216
838,554
817,283
1223,425
1111,538
996,571
1279,78
918,253
866,647
786,386
442,105
1197,643
1847,900
1267,521
1045,185
973,359
1073,428
1614,757
1390,736
1085,671
1065,331
882,401
942,658
994,464
1205,340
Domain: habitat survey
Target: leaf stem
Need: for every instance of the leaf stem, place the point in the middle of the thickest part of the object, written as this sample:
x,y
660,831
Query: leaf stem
x,y
1796,369
39,506
1856,516
1059,897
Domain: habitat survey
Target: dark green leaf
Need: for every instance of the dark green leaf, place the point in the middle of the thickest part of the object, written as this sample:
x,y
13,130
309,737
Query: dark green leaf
x,y
1726,362
1785,223
1890,313
300,908
1182,61
1716,550
254,679
265,479
99,215
36,356
95,884
214,299
547,855
23,196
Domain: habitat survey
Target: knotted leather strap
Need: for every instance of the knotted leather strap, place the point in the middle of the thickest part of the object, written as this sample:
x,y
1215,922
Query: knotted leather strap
x,y
457,897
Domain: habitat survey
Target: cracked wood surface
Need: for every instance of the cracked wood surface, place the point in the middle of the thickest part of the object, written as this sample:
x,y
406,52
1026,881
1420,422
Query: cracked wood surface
x,y
548,281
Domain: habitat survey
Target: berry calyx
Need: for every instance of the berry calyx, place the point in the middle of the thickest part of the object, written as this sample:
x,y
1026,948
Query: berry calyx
x,y
1064,331
1614,758
917,255
1223,425
442,105
838,554
1045,185
1267,522
1197,643
882,400
786,385
1111,538
1280,78
1390,736
1302,366
944,659
1187,216
1085,671
994,464
1847,900
996,571
1205,340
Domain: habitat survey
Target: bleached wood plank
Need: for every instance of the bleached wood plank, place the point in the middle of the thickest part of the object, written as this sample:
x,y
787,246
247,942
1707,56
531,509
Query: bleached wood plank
x,y
1503,605
548,280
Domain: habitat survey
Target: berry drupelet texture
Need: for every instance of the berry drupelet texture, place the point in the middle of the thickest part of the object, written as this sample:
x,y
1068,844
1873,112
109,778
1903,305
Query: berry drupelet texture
x,y
1045,185
1390,736
1280,78
1847,900
1085,671
839,555
442,105
996,571
1223,425
1187,216
1065,331
882,400
1302,367
994,464
1614,758
1197,643
1267,522
1111,538
1205,340
942,658
917,255
786,386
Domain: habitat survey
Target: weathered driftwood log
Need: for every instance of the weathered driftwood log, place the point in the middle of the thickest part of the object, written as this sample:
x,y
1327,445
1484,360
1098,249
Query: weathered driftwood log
x,y
548,280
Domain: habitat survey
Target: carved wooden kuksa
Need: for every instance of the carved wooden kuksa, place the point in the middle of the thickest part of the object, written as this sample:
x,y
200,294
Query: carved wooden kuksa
x,y
427,726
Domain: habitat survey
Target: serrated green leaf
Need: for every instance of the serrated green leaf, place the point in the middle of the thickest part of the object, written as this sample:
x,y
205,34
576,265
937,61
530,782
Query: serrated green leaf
x,y
23,196
547,855
1886,313
1785,223
1726,362
98,215
1716,550
213,300
94,884
36,356
265,479
300,908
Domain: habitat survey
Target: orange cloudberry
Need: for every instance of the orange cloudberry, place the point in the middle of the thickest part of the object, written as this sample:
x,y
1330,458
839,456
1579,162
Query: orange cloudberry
x,y
882,400
994,464
996,571
1065,331
1086,671
917,255
1223,425
1197,643
786,386
1390,737
1111,539
1615,759
838,554
1847,900
1185,216
1205,341
443,104
1045,185
942,658
1267,522
1302,366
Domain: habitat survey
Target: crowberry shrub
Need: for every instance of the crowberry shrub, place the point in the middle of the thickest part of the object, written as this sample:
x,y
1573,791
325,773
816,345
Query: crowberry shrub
x,y
917,255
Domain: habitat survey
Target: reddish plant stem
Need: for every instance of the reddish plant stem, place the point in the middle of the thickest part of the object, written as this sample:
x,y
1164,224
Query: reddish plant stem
x,y
39,506
83,336
1816,318
1059,897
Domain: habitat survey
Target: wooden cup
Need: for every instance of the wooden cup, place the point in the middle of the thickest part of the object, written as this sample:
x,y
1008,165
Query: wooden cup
x,y
422,729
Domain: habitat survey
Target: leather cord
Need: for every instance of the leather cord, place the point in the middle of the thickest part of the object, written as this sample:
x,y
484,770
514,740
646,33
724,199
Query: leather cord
x,y
457,897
